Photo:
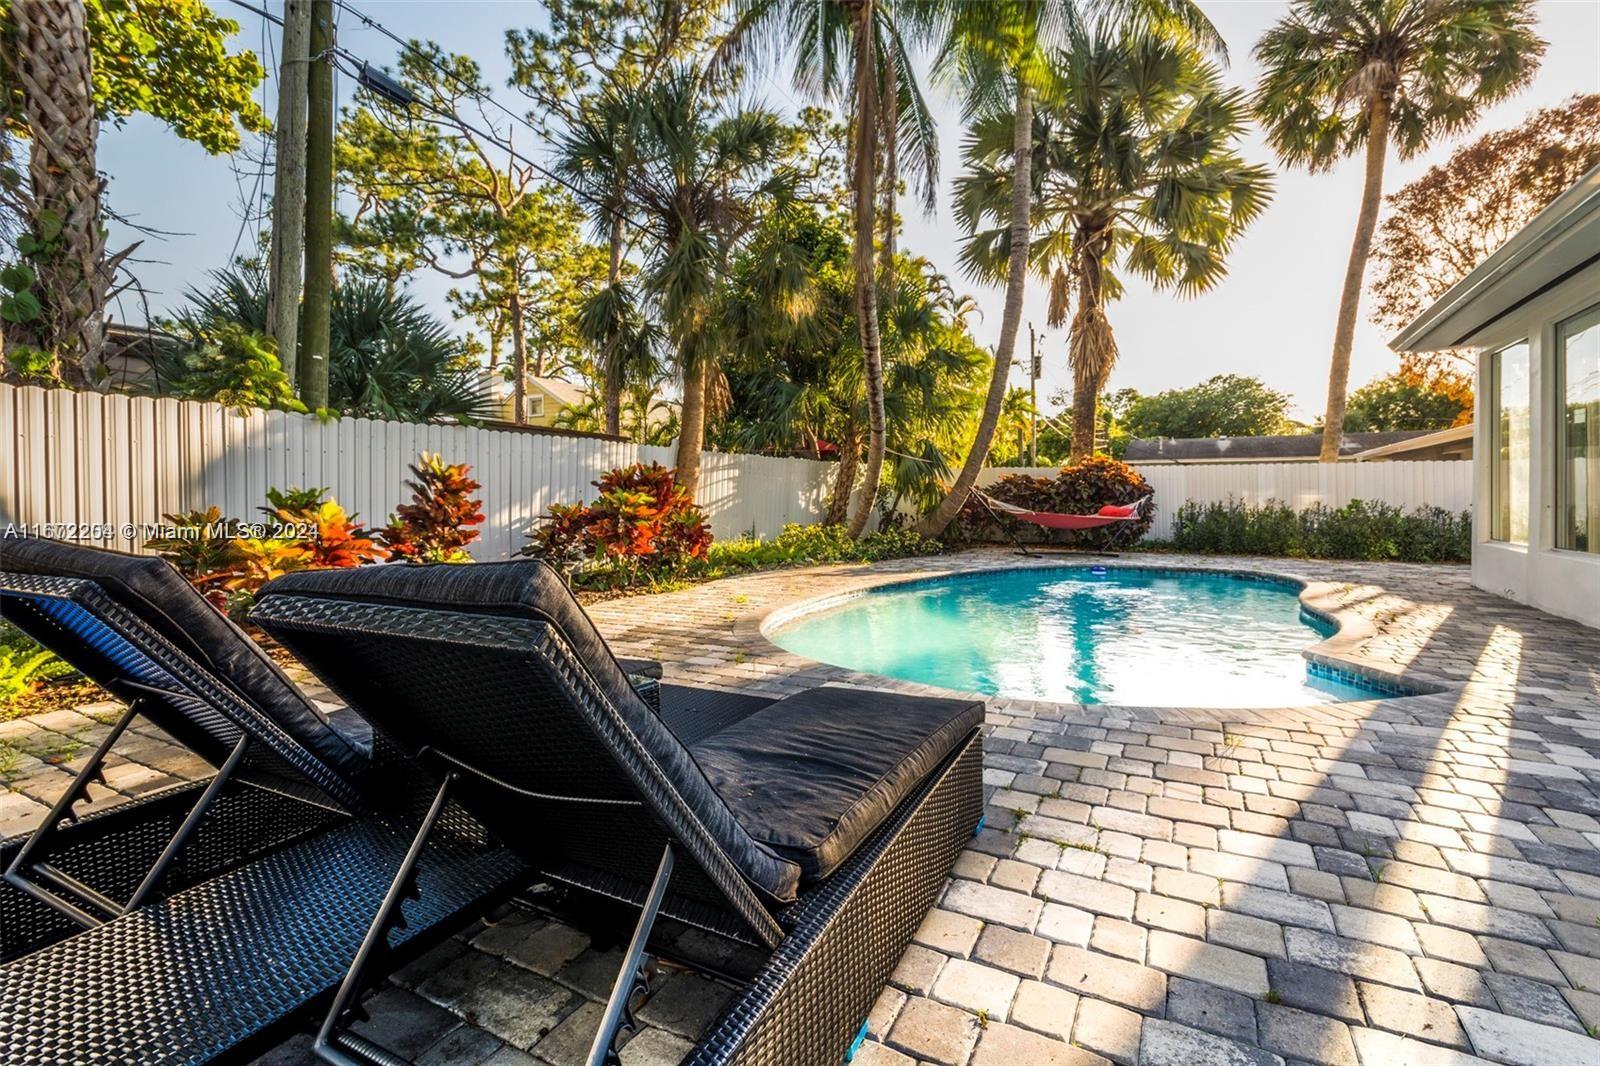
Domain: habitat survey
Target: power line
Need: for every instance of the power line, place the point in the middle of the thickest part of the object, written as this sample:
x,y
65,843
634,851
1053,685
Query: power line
x,y
363,74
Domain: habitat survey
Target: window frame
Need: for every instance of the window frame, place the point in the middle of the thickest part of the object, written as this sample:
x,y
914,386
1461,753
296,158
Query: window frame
x,y
1562,533
1495,374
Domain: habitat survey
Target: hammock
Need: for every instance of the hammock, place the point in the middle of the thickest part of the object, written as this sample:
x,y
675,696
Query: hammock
x,y
1110,514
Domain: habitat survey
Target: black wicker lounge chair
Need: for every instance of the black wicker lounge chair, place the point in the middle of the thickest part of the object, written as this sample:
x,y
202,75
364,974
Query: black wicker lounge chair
x,y
121,932
818,828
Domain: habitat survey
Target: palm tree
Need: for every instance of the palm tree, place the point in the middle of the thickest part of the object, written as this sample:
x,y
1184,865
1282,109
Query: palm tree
x,y
597,156
856,52
703,173
1341,76
48,46
998,53
1134,167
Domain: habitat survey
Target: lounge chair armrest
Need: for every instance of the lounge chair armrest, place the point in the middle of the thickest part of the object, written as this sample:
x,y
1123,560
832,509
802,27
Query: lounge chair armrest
x,y
641,667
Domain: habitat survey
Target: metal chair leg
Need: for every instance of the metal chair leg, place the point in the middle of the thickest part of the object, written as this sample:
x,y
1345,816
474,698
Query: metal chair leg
x,y
334,1043
633,980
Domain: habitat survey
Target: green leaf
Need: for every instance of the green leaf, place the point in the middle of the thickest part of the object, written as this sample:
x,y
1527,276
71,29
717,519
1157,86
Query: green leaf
x,y
18,276
49,224
23,307
27,244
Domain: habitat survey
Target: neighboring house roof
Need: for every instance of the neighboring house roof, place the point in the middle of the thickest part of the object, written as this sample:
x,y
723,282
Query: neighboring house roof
x,y
1560,240
1452,443
1300,446
562,391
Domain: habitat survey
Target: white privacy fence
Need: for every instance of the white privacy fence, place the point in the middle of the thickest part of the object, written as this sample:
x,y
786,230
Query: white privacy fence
x,y
1409,484
116,464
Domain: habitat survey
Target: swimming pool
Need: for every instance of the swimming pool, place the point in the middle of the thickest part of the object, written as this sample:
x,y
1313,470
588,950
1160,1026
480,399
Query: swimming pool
x,y
1117,635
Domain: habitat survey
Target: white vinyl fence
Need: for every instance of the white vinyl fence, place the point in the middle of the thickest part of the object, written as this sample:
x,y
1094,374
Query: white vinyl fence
x,y
120,462
116,464
1407,484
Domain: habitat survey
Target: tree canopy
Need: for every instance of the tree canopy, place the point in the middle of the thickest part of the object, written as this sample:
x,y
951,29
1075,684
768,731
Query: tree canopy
x,y
1407,400
1226,405
168,59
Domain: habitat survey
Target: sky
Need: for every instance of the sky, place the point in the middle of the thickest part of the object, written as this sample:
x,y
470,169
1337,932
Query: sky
x,y
1272,317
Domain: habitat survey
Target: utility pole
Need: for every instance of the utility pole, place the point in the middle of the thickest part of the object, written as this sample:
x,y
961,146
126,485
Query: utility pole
x,y
318,309
287,259
1033,394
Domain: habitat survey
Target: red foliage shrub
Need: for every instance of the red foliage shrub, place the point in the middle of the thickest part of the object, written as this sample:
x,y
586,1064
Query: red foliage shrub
x,y
436,526
641,520
1082,489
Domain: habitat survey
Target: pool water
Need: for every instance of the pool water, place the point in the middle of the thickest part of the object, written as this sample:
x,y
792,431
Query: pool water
x,y
1132,637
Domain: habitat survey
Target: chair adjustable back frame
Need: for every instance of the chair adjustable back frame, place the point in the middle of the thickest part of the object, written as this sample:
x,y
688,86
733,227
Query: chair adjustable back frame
x,y
119,651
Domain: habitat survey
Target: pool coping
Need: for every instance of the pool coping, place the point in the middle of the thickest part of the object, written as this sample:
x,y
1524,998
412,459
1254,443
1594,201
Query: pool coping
x,y
1337,655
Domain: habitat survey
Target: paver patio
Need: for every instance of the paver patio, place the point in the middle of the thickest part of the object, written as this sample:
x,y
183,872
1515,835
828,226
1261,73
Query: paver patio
x,y
1414,880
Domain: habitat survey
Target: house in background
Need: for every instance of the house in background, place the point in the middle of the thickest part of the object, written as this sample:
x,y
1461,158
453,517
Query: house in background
x,y
1295,448
547,398
1532,313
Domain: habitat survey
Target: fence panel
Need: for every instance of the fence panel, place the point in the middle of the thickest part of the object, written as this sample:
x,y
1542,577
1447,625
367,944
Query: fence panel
x,y
125,461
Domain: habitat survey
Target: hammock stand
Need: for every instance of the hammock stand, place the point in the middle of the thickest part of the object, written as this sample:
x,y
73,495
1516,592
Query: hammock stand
x,y
1054,520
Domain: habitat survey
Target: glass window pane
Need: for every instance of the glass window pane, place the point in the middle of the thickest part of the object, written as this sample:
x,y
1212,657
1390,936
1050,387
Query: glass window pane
x,y
1578,432
1508,444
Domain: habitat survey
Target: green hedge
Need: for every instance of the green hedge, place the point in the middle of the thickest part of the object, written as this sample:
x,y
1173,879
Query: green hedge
x,y
1358,530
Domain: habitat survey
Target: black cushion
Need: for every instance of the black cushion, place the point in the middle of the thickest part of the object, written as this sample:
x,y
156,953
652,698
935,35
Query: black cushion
x,y
158,595
531,589
813,775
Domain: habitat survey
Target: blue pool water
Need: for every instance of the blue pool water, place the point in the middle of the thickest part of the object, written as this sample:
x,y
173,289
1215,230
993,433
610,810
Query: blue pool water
x,y
1144,638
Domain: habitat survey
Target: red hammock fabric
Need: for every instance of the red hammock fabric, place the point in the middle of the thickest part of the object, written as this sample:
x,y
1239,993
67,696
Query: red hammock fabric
x,y
1107,515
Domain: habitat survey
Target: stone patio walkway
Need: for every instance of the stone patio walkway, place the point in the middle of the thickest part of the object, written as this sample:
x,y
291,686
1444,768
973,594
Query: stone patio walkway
x,y
1405,881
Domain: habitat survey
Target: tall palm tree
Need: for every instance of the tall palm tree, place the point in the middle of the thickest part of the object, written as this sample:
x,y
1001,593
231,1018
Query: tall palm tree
x,y
51,61
856,53
997,52
1342,76
1134,166
703,173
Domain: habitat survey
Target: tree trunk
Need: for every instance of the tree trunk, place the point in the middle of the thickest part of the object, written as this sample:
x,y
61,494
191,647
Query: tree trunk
x,y
844,479
610,372
317,310
692,432
53,65
866,266
891,178
1350,300
519,361
1091,349
1016,285
287,258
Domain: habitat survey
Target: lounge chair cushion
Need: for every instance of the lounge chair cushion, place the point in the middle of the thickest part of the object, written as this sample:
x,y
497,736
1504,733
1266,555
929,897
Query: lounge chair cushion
x,y
153,591
813,775
532,589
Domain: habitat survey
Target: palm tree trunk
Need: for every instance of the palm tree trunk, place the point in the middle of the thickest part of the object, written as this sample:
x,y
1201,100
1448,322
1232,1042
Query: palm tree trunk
x,y
891,177
1092,348
844,479
692,434
519,361
53,64
1350,300
1016,285
610,372
866,266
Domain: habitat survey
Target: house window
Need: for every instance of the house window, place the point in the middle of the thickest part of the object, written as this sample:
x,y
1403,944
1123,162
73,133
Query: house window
x,y
535,405
1508,444
1578,432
